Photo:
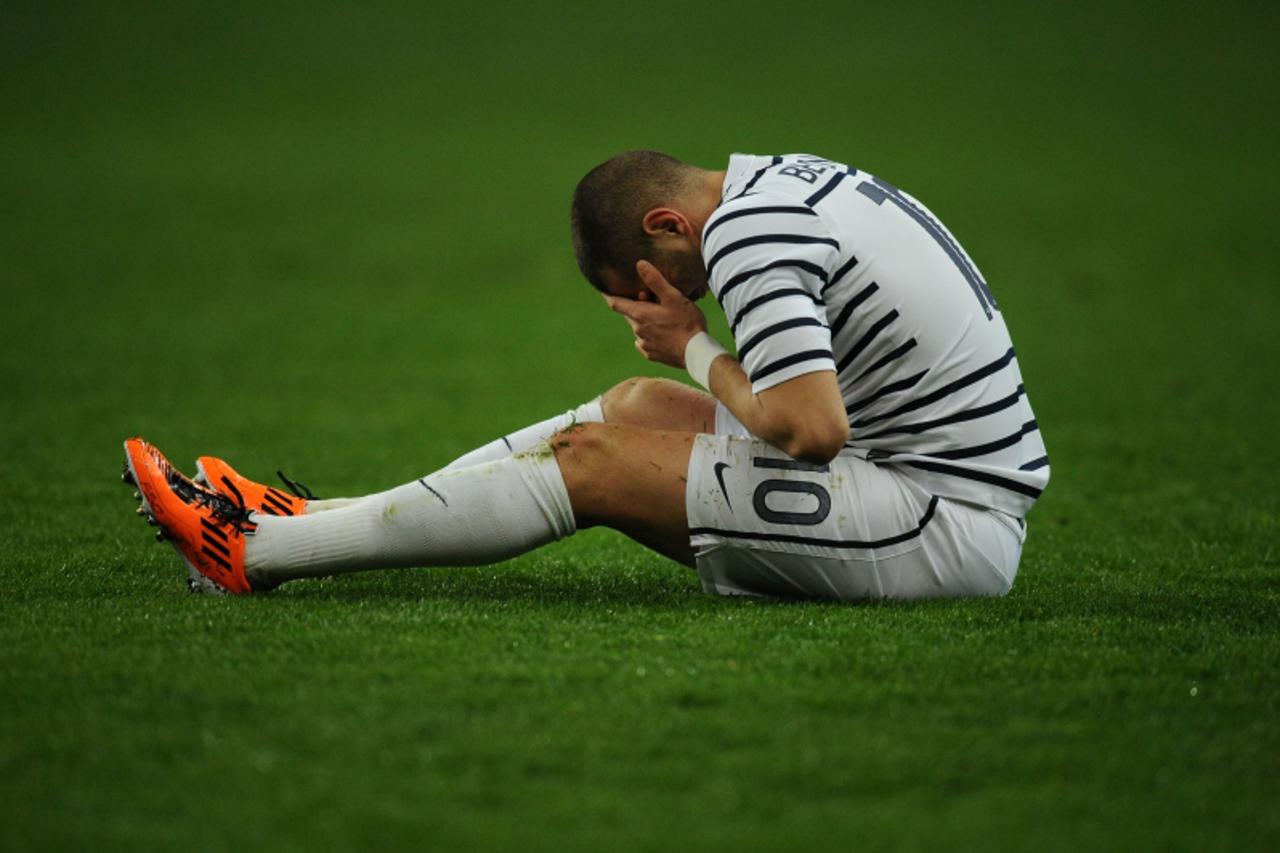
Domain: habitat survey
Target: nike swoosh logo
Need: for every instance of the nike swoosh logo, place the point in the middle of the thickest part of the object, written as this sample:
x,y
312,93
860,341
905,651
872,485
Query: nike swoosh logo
x,y
719,469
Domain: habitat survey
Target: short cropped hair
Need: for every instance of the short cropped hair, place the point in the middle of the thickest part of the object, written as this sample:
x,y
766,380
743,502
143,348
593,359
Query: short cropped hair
x,y
609,206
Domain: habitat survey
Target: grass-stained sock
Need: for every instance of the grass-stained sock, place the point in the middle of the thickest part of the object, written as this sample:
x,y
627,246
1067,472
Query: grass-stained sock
x,y
469,516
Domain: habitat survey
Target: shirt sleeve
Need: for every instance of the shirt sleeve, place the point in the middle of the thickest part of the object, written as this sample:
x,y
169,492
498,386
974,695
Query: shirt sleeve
x,y
768,259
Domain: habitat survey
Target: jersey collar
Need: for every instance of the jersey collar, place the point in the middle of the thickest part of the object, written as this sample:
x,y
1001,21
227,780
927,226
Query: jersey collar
x,y
741,168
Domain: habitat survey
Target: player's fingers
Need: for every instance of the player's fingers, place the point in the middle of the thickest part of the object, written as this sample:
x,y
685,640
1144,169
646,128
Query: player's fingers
x,y
657,282
625,307
639,312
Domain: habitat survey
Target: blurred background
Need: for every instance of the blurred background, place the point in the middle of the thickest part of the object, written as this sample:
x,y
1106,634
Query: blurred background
x,y
302,211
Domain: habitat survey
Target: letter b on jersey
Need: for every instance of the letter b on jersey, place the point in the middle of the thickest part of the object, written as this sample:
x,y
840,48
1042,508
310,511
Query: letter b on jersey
x,y
805,174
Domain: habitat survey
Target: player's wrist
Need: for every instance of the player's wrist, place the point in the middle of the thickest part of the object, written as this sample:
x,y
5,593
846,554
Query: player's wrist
x,y
699,353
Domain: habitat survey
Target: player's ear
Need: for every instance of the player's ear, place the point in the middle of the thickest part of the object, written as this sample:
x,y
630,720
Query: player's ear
x,y
665,220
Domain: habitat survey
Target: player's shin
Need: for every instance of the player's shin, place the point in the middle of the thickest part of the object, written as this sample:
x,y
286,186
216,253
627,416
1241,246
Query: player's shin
x,y
470,516
523,439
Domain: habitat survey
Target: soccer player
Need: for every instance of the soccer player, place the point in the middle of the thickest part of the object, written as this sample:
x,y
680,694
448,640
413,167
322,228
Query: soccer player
x,y
871,438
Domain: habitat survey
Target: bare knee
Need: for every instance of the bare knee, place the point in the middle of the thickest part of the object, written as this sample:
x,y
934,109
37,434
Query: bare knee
x,y
631,398
659,404
583,452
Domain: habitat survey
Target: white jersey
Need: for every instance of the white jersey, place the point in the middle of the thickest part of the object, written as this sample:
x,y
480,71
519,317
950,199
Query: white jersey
x,y
820,266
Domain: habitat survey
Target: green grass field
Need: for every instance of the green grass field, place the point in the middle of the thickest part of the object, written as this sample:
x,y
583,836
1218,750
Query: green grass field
x,y
334,240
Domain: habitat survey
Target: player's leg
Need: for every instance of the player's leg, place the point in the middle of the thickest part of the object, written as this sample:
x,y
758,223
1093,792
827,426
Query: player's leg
x,y
625,477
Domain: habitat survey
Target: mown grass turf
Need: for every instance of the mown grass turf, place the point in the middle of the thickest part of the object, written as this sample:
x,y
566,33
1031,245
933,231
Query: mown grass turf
x,y
333,240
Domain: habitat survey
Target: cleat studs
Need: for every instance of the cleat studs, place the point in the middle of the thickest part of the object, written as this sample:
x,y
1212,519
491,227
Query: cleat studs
x,y
141,511
151,519
127,476
160,536
137,496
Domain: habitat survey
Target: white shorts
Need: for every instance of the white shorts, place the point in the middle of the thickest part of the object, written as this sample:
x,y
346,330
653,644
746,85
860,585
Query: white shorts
x,y
763,524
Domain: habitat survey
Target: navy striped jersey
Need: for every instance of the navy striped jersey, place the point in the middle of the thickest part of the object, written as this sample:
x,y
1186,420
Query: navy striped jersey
x,y
820,266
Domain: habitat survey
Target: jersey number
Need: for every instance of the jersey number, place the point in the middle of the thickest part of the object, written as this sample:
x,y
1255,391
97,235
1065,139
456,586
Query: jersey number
x,y
878,191
760,500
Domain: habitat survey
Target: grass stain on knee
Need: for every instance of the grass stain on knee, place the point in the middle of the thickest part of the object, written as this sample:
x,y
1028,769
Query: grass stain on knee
x,y
541,451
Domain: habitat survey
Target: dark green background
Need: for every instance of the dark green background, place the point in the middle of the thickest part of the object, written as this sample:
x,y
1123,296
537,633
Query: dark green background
x,y
334,240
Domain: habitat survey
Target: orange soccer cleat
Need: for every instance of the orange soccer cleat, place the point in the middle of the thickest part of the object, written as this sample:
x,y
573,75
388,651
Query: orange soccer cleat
x,y
221,477
206,528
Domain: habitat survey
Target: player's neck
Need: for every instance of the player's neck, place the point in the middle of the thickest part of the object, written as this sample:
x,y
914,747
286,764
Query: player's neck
x,y
706,198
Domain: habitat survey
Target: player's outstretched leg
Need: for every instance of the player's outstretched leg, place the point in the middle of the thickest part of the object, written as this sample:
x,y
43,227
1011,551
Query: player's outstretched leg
x,y
469,516
629,478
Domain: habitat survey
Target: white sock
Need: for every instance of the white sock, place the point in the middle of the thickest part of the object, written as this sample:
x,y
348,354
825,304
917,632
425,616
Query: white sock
x,y
519,441
469,516
325,504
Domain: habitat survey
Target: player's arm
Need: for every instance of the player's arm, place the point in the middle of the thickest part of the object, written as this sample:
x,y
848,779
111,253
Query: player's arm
x,y
803,416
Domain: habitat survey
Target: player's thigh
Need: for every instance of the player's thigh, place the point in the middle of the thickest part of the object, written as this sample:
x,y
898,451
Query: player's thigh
x,y
764,524
659,404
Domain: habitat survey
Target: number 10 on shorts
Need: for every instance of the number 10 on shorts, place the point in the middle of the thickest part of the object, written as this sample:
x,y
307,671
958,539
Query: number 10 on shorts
x,y
767,503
